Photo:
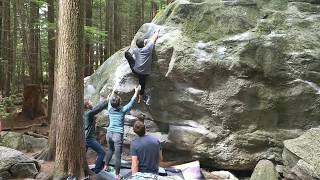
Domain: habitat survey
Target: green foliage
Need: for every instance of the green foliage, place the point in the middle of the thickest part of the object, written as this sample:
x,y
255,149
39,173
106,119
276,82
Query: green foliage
x,y
40,2
94,34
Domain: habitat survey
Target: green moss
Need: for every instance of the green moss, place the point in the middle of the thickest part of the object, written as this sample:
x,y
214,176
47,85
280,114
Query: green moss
x,y
273,21
273,4
219,22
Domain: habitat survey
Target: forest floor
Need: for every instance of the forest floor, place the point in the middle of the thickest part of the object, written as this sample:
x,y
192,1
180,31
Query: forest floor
x,y
40,126
20,124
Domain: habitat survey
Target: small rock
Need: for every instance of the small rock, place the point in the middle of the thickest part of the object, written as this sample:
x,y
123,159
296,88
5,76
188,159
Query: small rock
x,y
20,141
226,175
4,175
24,170
43,176
301,155
264,170
280,169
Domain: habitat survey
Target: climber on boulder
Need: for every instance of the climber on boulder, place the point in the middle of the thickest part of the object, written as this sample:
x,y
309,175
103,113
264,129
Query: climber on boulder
x,y
140,62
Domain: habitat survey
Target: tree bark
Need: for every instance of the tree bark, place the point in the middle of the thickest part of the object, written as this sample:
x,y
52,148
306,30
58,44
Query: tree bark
x,y
14,47
34,43
6,46
32,95
51,55
154,9
101,51
70,147
117,26
111,43
88,48
107,49
142,13
1,47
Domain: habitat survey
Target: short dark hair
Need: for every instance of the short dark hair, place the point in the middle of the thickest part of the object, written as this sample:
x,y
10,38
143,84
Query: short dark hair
x,y
139,128
140,42
115,101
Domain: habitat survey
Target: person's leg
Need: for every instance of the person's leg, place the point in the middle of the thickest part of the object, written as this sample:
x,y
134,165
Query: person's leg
x,y
93,143
110,150
130,60
142,82
118,143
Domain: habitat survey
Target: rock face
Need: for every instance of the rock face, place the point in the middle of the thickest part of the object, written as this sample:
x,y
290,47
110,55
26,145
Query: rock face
x,y
302,155
232,79
264,170
20,141
14,164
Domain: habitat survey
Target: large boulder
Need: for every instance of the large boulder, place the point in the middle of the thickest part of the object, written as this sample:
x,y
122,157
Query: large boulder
x,y
264,170
231,79
14,164
302,155
21,141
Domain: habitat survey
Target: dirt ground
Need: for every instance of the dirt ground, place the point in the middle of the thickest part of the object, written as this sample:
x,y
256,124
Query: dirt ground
x,y
20,124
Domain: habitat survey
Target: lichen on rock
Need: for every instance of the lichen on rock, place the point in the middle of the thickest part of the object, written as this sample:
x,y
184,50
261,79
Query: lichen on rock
x,y
231,79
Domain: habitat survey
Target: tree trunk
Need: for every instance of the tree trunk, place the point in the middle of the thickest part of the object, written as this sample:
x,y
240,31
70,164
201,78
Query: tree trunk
x,y
70,147
111,27
154,9
138,15
22,10
117,25
88,48
32,101
51,55
6,46
14,47
34,43
142,13
1,47
101,51
107,49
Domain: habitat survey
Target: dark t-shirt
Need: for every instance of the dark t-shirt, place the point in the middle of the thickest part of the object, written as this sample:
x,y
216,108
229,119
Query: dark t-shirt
x,y
147,148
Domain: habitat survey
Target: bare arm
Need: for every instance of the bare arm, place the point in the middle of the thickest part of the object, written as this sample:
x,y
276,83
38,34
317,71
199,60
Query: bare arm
x,y
161,157
111,94
155,36
129,106
134,164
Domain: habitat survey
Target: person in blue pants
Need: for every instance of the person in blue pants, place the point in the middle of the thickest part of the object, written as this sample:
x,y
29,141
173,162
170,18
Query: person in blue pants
x,y
90,124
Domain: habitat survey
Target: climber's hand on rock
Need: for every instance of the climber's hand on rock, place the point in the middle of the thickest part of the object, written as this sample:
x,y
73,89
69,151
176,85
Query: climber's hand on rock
x,y
138,88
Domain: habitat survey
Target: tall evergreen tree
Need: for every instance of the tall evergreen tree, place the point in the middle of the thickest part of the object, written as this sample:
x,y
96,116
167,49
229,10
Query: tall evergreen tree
x,y
51,54
34,36
70,150
6,50
89,61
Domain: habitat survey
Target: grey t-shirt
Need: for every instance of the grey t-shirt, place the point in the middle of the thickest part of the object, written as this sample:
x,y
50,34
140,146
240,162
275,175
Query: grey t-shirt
x,y
147,148
143,59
